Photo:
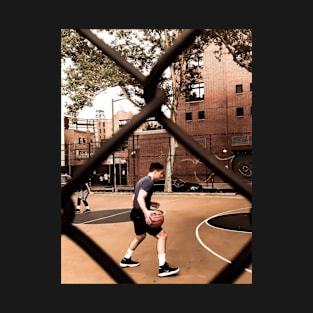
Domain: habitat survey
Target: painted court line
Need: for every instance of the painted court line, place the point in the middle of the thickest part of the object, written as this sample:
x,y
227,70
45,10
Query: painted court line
x,y
226,213
102,218
206,247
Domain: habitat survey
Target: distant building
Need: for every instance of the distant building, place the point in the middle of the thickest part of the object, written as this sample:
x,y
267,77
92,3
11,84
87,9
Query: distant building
x,y
216,112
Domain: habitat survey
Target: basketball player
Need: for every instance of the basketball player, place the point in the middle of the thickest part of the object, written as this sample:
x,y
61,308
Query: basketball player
x,y
140,215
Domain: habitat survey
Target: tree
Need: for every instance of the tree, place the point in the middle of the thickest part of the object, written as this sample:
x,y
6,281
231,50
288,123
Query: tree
x,y
87,71
90,71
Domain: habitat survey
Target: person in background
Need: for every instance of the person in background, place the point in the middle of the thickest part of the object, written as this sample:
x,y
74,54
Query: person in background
x,y
101,180
140,215
106,179
83,192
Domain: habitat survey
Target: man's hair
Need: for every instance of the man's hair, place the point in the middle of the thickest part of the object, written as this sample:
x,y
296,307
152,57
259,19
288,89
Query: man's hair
x,y
156,167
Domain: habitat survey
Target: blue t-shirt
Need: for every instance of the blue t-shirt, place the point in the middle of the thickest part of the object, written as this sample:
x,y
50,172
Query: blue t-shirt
x,y
146,183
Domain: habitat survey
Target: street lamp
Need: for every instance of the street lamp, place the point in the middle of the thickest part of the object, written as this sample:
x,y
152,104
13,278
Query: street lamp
x,y
69,159
133,154
113,155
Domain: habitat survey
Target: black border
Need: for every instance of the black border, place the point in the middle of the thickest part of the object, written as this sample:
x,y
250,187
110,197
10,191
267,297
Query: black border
x,y
37,97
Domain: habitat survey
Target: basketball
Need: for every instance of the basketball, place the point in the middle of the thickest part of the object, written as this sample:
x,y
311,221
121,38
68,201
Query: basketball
x,y
157,218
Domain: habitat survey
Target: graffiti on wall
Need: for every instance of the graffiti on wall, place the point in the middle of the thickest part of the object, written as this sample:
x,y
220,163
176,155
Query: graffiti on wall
x,y
241,164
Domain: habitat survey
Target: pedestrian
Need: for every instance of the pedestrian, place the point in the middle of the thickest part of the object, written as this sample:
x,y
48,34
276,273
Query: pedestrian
x,y
83,192
140,215
106,179
101,180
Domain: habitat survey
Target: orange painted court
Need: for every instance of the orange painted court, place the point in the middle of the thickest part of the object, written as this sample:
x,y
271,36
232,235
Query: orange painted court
x,y
200,249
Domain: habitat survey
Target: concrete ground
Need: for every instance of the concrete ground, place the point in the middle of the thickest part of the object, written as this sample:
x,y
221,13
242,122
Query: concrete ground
x,y
199,249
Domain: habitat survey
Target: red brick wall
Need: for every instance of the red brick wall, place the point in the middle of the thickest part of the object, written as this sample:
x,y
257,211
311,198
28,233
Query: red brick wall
x,y
215,132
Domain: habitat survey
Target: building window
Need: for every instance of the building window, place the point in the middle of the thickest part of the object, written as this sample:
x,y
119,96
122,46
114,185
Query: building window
x,y
241,140
251,87
122,123
80,155
188,116
239,88
201,115
195,92
239,111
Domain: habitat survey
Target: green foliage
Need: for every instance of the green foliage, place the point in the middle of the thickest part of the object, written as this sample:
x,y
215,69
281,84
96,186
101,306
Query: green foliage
x,y
88,71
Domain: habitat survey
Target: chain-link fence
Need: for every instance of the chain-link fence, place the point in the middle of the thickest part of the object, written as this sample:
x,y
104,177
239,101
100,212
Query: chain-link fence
x,y
155,97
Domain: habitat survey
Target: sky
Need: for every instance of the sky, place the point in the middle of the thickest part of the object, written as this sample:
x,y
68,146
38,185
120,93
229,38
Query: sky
x,y
103,101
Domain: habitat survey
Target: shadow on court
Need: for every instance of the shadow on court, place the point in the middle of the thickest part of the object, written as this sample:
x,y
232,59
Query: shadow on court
x,y
234,221
103,217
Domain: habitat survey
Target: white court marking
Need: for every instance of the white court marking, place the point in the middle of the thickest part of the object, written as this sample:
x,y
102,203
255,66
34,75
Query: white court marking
x,y
206,247
102,218
196,231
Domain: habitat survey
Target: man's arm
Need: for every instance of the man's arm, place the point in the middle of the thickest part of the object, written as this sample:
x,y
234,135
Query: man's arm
x,y
88,187
142,204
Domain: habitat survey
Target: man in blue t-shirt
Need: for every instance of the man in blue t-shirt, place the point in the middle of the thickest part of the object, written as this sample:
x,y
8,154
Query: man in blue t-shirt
x,y
140,215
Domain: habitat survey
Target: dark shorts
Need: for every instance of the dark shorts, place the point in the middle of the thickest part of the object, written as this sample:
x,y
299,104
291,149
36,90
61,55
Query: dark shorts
x,y
140,226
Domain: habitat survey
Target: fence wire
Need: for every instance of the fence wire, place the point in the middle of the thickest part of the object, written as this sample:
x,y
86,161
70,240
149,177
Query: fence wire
x,y
154,98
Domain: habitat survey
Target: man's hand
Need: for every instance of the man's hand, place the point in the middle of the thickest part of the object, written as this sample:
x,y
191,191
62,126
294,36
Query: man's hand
x,y
147,217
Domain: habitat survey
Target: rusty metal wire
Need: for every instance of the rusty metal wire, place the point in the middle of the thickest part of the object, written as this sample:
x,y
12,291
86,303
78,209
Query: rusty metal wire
x,y
154,98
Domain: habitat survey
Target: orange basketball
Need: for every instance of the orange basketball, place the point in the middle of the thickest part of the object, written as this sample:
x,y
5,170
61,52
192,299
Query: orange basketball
x,y
157,218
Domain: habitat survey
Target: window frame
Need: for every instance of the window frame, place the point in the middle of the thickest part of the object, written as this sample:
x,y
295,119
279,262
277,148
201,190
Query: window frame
x,y
239,110
188,114
199,113
239,88
195,92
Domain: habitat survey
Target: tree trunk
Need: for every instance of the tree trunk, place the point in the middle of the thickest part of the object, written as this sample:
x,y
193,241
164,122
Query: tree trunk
x,y
169,165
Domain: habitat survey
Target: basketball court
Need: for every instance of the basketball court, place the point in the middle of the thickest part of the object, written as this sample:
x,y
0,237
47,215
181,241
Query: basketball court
x,y
205,232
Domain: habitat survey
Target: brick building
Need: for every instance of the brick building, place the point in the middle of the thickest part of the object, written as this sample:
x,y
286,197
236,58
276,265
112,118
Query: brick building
x,y
217,112
80,145
83,137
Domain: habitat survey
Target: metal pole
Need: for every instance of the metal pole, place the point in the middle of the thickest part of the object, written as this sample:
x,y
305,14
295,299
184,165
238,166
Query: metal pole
x,y
133,154
114,170
119,173
69,159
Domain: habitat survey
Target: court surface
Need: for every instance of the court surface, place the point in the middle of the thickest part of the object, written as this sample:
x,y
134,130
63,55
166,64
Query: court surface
x,y
197,242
